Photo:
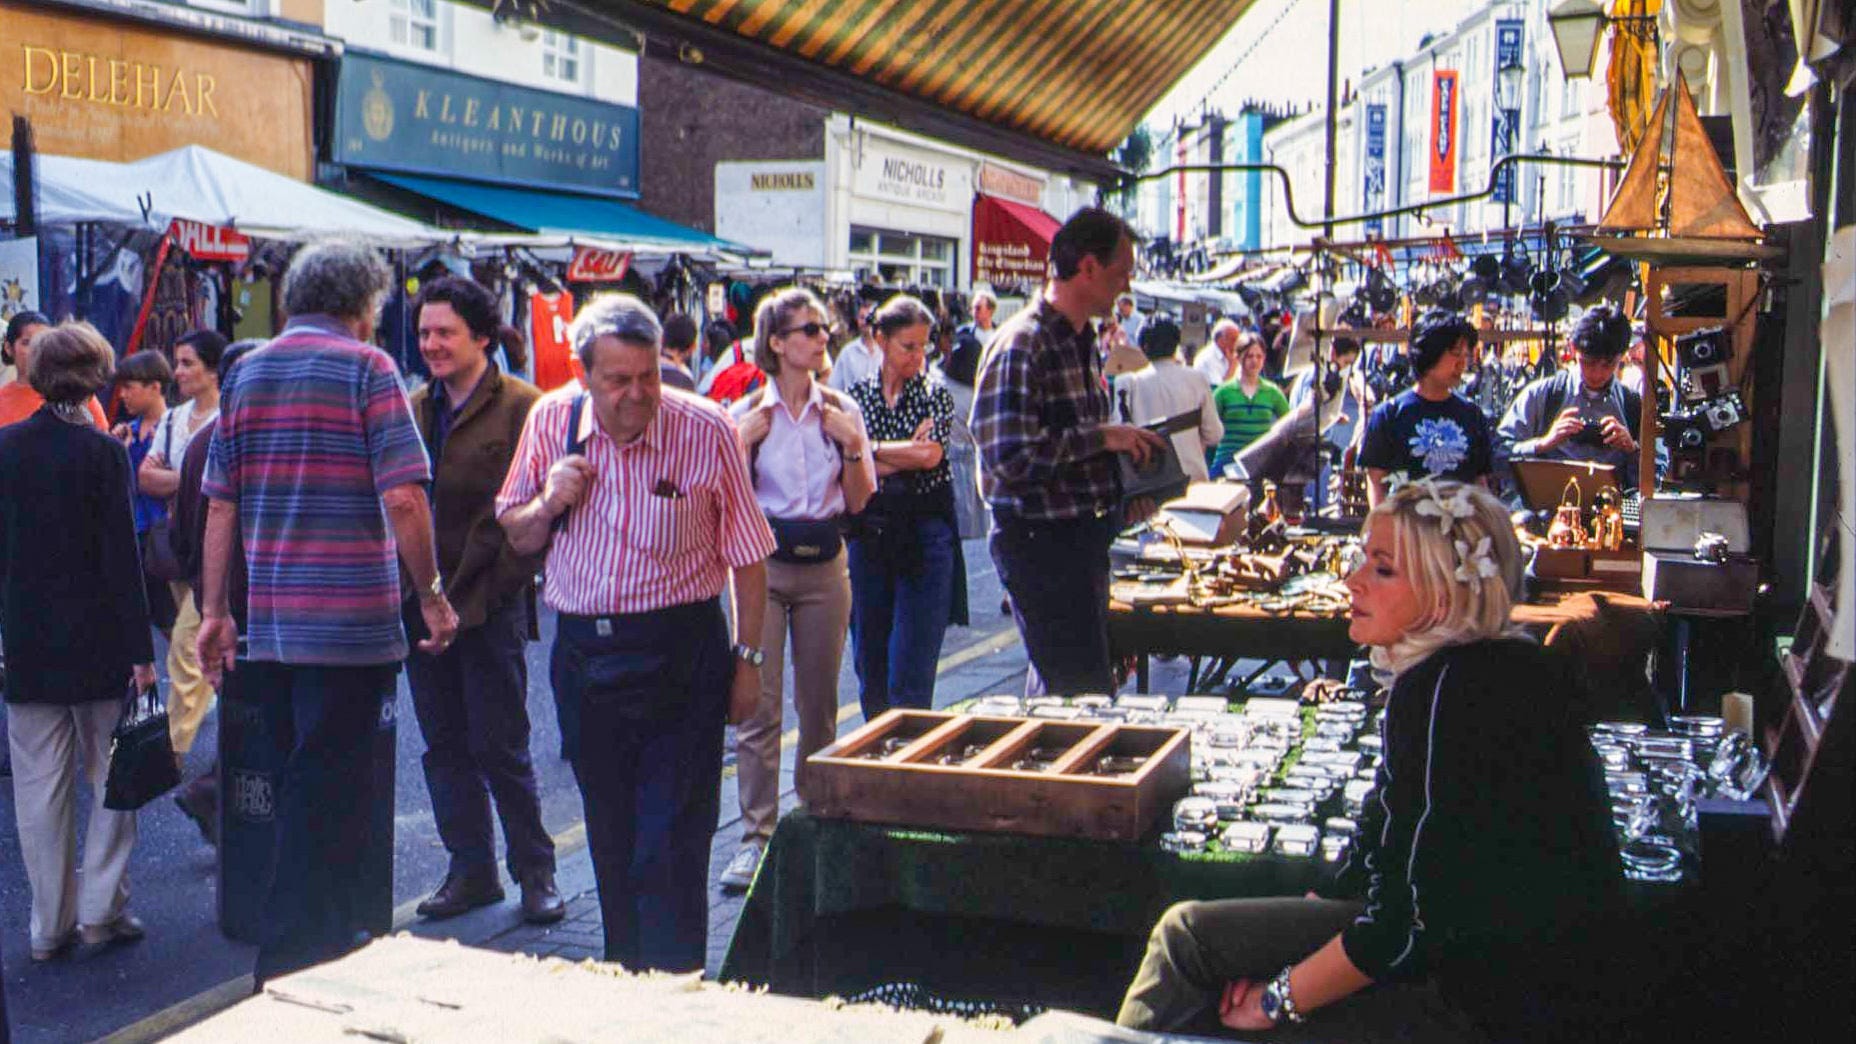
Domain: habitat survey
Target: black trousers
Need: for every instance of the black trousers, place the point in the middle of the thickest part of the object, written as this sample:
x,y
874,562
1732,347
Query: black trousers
x,y
643,702
1057,575
472,705
325,718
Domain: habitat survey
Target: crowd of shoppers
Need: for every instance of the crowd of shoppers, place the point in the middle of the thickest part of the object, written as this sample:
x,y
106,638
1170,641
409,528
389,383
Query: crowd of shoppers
x,y
327,528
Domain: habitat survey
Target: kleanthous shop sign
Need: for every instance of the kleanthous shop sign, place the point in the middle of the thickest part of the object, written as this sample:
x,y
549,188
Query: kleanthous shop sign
x,y
99,89
397,116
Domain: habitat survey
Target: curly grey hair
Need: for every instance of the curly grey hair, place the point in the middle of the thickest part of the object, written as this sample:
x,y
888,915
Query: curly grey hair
x,y
614,315
338,279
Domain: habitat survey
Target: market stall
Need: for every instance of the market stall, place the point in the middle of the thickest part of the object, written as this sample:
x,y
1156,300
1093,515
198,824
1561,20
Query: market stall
x,y
1038,909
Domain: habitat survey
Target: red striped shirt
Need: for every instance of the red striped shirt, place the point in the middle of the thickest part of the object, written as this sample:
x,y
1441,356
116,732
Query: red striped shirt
x,y
628,547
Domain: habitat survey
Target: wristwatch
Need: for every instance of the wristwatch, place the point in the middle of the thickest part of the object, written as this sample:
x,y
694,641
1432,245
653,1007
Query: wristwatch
x,y
435,590
1278,1005
750,655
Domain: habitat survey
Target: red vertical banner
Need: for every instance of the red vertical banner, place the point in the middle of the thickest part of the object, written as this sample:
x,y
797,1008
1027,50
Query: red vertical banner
x,y
548,316
1443,130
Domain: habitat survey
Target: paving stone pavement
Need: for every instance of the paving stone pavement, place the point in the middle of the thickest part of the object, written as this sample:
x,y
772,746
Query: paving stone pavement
x,y
579,937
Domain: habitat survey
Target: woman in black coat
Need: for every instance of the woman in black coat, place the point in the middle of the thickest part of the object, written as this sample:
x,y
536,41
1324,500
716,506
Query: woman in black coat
x,y
1479,902
75,621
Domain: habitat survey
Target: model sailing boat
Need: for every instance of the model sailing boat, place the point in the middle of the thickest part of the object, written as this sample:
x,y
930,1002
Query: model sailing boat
x,y
1676,203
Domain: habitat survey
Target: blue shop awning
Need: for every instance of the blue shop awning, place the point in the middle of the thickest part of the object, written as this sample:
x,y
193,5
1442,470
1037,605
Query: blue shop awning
x,y
564,213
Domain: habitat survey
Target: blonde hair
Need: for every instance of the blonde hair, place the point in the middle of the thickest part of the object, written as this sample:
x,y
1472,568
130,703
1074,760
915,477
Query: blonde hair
x,y
771,316
1442,567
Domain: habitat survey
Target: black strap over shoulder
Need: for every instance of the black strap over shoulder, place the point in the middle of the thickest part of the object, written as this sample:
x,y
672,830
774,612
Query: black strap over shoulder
x,y
572,444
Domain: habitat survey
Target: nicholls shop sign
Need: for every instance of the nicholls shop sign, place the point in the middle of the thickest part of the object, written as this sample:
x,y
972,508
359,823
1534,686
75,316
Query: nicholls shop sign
x,y
912,176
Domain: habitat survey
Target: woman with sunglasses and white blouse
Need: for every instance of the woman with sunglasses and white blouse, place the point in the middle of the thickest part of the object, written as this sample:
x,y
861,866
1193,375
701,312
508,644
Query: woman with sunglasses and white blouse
x,y
811,464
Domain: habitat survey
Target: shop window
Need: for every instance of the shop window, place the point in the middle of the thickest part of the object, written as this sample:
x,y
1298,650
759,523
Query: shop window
x,y
560,57
902,258
413,23
1570,101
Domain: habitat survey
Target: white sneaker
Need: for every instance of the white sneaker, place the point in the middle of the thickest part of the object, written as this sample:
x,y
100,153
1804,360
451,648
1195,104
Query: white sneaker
x,y
740,872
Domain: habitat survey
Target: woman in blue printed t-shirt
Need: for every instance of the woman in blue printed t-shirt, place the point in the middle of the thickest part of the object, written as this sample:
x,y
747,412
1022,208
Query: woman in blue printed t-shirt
x,y
1428,430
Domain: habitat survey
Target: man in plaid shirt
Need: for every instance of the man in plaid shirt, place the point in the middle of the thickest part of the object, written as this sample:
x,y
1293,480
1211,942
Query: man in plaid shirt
x,y
1041,416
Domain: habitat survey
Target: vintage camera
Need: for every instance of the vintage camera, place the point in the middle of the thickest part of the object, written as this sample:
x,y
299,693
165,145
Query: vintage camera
x,y
1688,430
1723,411
1590,435
1704,355
1703,348
1684,432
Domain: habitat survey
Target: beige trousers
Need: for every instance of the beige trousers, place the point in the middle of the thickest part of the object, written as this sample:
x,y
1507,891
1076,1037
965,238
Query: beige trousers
x,y
51,745
812,603
190,696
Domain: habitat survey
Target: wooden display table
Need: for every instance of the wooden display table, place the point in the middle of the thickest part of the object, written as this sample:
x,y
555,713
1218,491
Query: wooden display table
x,y
1243,632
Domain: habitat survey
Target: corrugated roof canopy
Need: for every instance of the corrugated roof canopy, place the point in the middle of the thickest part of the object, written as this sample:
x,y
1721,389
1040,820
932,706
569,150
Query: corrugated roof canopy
x,y
1059,76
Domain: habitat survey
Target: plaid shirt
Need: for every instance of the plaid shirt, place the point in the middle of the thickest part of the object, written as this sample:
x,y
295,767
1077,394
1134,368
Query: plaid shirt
x,y
1038,413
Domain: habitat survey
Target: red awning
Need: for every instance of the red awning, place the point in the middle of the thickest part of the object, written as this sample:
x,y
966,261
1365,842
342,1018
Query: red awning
x,y
1011,241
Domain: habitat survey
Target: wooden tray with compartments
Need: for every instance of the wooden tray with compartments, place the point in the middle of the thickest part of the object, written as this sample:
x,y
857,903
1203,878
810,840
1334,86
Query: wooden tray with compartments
x,y
1008,775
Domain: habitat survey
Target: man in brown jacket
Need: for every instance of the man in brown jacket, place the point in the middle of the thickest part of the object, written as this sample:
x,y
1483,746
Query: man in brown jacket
x,y
471,698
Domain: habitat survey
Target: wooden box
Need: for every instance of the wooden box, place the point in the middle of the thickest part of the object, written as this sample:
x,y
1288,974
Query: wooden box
x,y
1616,570
963,772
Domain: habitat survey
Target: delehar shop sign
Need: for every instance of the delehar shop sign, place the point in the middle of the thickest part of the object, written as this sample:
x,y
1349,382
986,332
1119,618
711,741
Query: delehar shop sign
x,y
204,242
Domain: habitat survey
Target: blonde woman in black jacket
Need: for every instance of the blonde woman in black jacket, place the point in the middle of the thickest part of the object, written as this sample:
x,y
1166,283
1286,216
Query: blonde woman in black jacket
x,y
1487,872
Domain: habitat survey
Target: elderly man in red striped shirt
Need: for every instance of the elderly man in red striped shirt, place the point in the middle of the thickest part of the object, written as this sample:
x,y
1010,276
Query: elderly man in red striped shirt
x,y
642,498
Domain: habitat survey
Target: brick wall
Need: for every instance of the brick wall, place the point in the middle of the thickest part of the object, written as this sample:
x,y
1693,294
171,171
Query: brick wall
x,y
691,119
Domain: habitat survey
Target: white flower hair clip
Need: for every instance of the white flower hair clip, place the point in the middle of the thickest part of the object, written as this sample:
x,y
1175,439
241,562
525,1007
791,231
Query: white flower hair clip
x,y
1446,509
1477,564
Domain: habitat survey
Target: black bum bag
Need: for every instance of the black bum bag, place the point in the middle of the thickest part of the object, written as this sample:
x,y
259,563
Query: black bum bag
x,y
806,541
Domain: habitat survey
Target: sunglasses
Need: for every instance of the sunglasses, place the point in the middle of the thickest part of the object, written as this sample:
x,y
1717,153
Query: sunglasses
x,y
809,329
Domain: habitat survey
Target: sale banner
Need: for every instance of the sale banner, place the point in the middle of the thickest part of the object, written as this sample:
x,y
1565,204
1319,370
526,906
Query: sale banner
x,y
1443,130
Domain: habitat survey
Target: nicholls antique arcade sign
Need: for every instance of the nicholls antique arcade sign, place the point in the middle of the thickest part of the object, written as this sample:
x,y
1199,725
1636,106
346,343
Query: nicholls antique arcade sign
x,y
392,115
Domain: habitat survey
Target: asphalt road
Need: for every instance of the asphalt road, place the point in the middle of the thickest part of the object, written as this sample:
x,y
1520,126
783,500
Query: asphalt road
x,y
172,873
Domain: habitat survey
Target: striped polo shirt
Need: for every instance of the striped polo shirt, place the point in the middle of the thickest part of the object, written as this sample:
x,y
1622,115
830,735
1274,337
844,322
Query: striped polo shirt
x,y
668,514
314,428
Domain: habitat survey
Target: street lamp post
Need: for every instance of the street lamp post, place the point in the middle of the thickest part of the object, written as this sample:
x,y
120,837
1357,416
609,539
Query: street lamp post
x,y
1510,79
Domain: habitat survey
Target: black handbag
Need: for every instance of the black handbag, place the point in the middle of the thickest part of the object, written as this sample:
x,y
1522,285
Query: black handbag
x,y
806,541
142,765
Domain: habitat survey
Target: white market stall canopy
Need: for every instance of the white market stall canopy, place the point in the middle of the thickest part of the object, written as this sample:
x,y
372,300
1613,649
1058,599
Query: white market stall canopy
x,y
201,185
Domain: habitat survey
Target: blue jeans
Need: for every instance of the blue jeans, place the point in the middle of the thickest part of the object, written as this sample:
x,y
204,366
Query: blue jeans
x,y
643,700
898,617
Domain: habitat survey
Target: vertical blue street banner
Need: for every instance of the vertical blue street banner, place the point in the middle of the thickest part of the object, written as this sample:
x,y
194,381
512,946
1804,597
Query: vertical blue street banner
x,y
1373,171
1507,121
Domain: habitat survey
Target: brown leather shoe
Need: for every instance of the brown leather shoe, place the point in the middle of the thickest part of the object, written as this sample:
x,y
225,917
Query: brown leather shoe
x,y
541,902
461,893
